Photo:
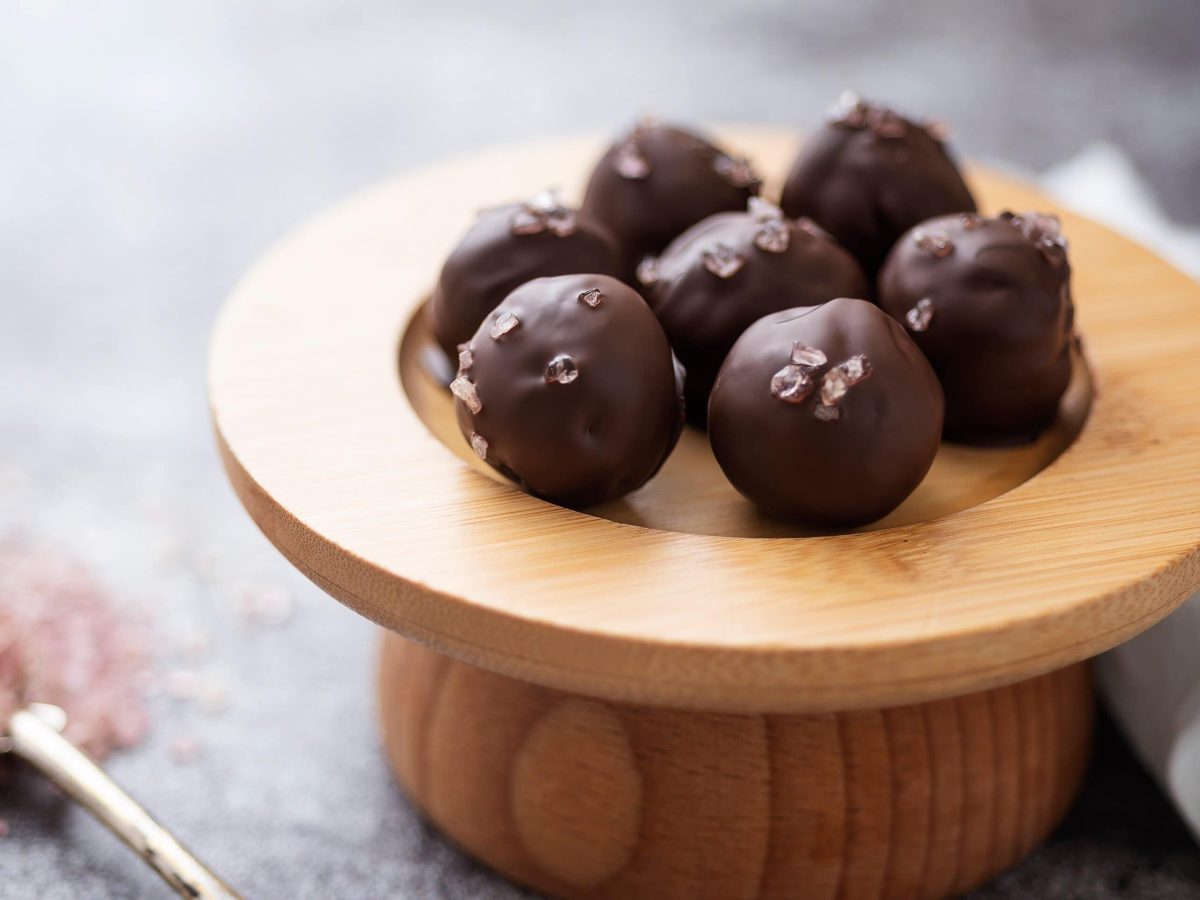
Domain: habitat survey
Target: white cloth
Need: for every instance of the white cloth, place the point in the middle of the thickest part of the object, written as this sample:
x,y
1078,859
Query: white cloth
x,y
1152,683
1102,183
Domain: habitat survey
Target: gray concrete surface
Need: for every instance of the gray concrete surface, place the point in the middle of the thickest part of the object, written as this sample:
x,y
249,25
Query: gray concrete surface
x,y
150,151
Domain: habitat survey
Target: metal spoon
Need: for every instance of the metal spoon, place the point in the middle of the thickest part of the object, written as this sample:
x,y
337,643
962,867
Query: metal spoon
x,y
34,736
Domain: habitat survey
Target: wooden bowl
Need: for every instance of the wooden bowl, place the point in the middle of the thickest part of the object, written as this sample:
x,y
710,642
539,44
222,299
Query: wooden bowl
x,y
671,696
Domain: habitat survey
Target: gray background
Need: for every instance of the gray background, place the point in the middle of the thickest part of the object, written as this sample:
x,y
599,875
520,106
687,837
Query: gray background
x,y
150,151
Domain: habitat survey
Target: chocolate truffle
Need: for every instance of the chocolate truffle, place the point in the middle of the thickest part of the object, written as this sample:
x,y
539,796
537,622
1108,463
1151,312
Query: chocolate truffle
x,y
723,274
504,248
655,182
829,414
989,302
868,175
569,388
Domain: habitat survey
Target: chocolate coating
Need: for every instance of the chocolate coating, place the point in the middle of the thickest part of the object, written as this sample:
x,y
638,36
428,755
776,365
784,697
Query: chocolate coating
x,y
579,401
723,274
868,175
829,415
655,182
504,248
989,303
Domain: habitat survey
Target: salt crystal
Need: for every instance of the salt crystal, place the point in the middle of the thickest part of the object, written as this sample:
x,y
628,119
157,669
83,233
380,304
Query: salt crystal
x,y
527,220
209,564
885,124
849,110
791,384
466,359
856,368
629,162
1045,231
919,317
542,212
936,242
214,698
810,357
834,386
854,112
268,604
970,221
183,684
561,222
763,210
561,370
1054,249
544,201
184,750
736,170
723,261
193,647
504,323
1043,225
464,390
593,297
648,270
827,413
807,225
480,445
773,236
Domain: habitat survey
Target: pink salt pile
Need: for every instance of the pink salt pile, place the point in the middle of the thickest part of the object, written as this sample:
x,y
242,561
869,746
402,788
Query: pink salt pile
x,y
12,675
62,641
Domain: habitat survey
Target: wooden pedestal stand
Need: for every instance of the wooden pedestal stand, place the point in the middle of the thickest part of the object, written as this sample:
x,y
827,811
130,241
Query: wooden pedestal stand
x,y
670,697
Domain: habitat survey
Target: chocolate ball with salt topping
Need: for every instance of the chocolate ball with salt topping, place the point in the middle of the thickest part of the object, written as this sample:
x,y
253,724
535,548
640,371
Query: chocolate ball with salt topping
x,y
504,248
868,175
726,272
656,181
988,300
829,415
569,388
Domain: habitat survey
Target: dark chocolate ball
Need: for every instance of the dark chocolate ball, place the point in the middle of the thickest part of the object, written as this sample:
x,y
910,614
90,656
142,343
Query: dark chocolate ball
x,y
569,388
655,182
868,175
989,303
503,249
722,275
828,415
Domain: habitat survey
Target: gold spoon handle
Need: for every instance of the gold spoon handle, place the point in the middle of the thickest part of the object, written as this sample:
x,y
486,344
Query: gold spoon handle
x,y
35,741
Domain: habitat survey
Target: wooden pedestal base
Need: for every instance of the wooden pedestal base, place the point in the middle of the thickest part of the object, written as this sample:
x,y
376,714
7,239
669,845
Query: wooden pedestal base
x,y
579,797
681,597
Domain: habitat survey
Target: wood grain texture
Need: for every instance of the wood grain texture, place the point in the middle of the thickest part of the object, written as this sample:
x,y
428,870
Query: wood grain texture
x,y
692,495
587,798
333,460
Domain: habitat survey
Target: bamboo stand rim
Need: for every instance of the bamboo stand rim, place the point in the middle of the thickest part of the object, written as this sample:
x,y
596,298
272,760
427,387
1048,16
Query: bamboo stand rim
x,y
339,471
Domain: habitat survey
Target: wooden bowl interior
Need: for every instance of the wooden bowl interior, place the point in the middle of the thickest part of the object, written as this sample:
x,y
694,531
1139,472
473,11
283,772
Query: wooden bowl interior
x,y
1005,564
691,494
